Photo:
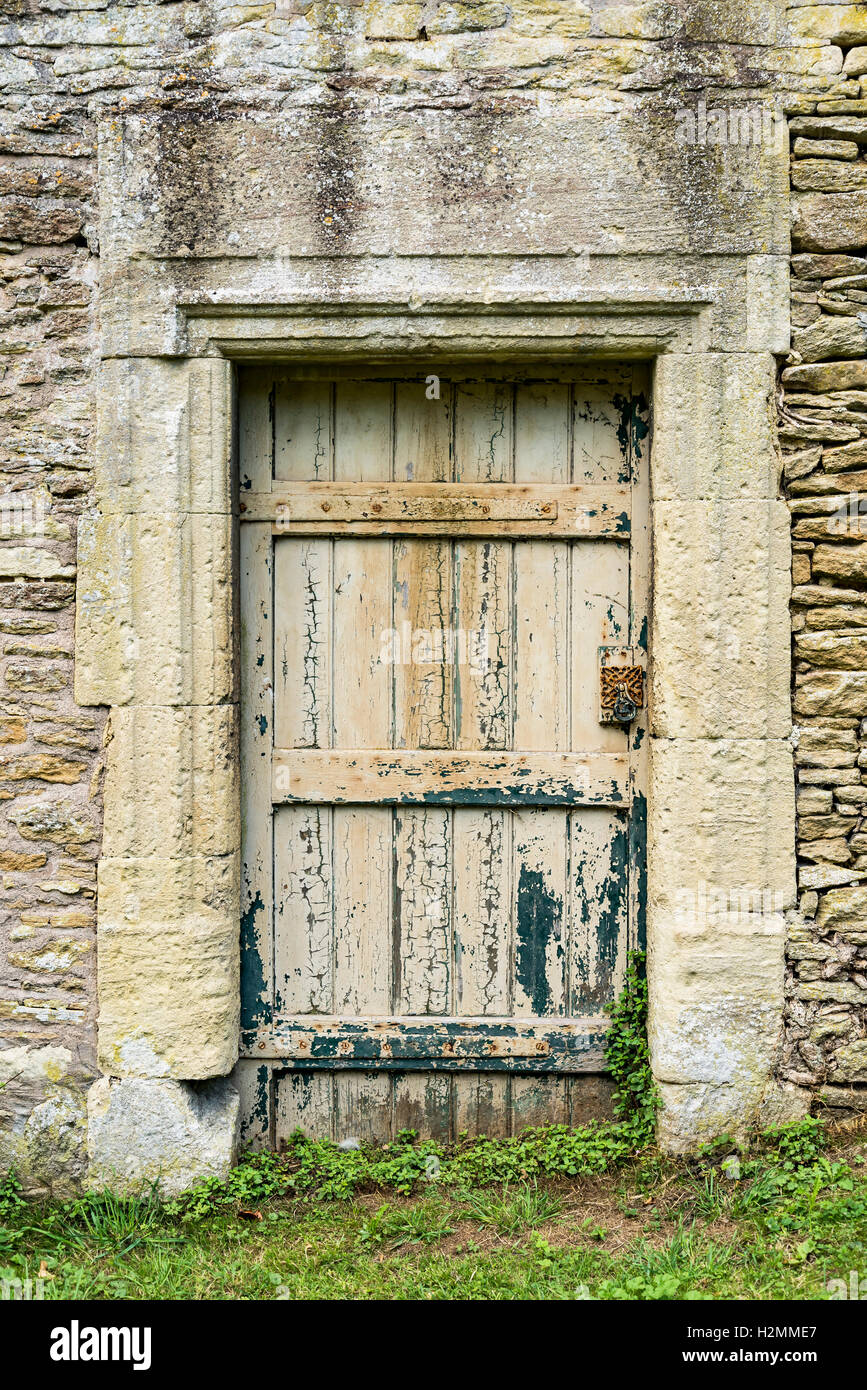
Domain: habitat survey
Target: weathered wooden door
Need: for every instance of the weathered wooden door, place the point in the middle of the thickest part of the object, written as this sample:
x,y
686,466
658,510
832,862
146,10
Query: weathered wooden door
x,y
443,830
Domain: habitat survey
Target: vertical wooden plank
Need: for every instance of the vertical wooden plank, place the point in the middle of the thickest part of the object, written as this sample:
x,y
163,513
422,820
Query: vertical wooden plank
x,y
302,654
303,947
303,431
422,434
305,1101
362,911
541,708
363,1107
639,610
257,713
422,1101
600,617
541,721
255,429
482,850
541,577
599,448
590,1098
252,1080
362,718
483,585
422,645
422,580
302,572
483,431
539,907
482,1105
539,1100
483,719
363,431
423,910
600,906
423,688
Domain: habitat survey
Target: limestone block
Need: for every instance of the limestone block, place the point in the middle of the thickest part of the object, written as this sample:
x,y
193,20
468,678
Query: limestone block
x,y
716,433
831,693
835,335
829,221
54,1136
721,823
395,21
32,562
61,822
168,966
849,1063
638,21
694,1113
828,176
841,561
42,1109
768,326
844,24
171,787
721,638
783,1104
856,62
843,651
171,1133
154,622
838,1097
557,179
843,908
164,436
716,999
734,21
827,376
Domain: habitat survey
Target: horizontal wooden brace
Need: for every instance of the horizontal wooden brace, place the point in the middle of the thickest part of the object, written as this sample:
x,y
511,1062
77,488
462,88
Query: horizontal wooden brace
x,y
474,1044
442,509
423,777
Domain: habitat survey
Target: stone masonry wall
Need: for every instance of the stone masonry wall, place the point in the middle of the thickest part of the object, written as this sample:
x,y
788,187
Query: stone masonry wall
x,y
823,432
66,67
50,757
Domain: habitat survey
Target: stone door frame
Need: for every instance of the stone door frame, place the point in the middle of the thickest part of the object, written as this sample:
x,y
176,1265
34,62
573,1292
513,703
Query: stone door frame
x,y
156,642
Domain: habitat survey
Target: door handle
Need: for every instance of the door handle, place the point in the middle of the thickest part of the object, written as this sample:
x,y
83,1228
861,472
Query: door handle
x,y
625,708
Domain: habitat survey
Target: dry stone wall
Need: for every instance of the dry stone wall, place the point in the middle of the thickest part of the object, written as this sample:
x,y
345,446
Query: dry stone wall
x,y
823,433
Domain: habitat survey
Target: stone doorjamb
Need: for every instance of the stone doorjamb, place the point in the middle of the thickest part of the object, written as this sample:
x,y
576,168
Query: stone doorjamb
x,y
156,642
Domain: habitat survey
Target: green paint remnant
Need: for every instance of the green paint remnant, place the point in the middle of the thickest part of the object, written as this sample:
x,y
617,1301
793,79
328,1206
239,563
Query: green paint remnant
x,y
260,1104
539,918
632,428
254,995
612,908
262,721
643,636
638,864
623,524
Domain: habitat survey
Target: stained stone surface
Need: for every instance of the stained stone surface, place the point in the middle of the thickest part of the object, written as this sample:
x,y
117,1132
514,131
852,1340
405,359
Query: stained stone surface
x,y
168,1133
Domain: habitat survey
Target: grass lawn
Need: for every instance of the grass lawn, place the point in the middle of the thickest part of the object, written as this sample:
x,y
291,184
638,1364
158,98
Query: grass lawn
x,y
555,1214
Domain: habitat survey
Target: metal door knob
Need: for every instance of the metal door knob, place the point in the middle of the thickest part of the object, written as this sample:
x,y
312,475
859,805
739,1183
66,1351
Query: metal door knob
x,y
625,708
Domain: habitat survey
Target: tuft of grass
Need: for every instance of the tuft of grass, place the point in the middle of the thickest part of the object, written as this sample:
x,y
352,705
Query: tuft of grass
x,y
512,1211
